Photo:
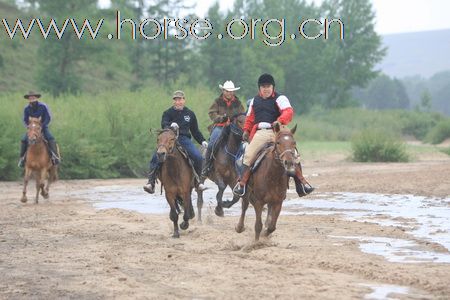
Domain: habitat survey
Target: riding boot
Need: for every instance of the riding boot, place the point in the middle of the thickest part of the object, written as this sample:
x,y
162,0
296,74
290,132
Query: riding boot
x,y
150,186
199,180
23,151
53,151
208,163
239,188
302,186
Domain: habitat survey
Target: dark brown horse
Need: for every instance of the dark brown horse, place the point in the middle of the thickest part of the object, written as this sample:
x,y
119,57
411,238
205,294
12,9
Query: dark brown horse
x,y
224,171
269,183
38,162
177,178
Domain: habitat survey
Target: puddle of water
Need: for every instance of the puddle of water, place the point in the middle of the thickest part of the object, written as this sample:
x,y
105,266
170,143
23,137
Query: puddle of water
x,y
381,292
425,218
131,197
397,250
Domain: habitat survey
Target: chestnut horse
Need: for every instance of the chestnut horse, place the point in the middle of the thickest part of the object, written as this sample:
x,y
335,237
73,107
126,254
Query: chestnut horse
x,y
38,161
224,165
269,183
177,178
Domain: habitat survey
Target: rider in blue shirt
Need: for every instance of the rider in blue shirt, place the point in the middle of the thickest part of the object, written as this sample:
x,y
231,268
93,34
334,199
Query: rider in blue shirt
x,y
38,109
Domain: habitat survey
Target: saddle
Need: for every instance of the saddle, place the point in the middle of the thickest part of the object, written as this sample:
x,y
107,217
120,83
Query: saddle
x,y
268,147
186,156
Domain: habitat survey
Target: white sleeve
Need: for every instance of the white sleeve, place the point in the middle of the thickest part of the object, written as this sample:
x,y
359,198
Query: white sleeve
x,y
250,107
283,102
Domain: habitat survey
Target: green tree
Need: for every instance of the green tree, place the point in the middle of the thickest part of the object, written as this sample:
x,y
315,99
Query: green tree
x,y
60,59
352,60
425,101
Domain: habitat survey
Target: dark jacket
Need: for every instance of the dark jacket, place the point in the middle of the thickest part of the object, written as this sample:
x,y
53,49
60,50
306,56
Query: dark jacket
x,y
39,110
186,120
221,107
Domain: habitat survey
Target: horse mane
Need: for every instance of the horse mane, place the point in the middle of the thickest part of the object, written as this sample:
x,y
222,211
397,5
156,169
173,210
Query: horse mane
x,y
223,138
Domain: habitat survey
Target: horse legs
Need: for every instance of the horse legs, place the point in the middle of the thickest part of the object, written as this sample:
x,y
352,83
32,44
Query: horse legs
x,y
174,218
45,189
39,186
188,211
240,226
228,204
26,178
275,212
258,222
199,205
269,215
219,210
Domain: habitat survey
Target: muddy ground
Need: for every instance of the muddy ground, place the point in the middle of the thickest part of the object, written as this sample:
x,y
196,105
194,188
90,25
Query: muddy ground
x,y
64,248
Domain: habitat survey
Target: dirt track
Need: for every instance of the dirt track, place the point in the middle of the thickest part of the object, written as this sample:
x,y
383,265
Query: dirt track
x,y
63,248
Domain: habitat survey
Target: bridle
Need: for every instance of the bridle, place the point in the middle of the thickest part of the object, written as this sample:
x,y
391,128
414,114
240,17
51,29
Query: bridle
x,y
36,131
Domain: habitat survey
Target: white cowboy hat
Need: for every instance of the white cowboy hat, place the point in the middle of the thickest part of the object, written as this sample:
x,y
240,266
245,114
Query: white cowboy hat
x,y
229,86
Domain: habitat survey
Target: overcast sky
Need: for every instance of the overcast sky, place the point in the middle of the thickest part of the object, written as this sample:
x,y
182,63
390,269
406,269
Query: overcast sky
x,y
392,16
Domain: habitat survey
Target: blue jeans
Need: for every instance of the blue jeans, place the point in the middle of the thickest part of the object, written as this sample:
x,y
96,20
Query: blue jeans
x,y
190,148
215,134
48,136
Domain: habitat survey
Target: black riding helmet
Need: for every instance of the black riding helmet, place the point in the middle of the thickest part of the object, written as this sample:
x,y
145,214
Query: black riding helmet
x,y
266,79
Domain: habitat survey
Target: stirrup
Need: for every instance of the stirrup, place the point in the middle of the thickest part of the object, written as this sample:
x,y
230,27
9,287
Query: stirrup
x,y
303,190
239,190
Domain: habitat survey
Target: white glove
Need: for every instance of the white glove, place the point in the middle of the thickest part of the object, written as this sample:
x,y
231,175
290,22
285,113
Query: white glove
x,y
174,125
205,144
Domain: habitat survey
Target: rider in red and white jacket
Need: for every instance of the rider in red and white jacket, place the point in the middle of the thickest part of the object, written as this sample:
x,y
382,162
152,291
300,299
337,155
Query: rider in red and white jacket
x,y
265,109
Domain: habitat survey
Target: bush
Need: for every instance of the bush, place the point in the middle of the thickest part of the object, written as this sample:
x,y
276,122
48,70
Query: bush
x,y
439,133
446,151
378,146
418,124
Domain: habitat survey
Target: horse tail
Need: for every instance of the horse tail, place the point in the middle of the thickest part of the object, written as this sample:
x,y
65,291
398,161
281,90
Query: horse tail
x,y
178,203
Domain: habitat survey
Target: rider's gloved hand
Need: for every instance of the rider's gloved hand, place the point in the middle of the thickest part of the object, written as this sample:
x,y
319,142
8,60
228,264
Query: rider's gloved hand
x,y
245,136
174,125
276,123
205,144
221,119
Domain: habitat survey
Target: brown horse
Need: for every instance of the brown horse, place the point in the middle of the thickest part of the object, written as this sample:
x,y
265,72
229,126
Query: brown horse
x,y
224,171
177,177
268,184
38,162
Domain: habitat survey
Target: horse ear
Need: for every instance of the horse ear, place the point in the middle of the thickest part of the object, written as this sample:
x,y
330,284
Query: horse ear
x,y
293,130
276,127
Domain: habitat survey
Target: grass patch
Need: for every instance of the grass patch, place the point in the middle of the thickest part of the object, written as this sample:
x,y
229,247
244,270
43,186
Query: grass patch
x,y
378,146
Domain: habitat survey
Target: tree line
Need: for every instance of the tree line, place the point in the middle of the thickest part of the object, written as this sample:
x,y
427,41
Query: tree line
x,y
312,72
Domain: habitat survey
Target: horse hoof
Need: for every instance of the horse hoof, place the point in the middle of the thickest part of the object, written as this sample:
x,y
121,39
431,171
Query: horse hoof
x,y
184,225
219,211
24,200
176,235
45,195
239,229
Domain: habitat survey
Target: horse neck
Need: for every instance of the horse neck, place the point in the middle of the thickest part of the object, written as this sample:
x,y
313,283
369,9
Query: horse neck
x,y
174,160
276,168
233,142
38,147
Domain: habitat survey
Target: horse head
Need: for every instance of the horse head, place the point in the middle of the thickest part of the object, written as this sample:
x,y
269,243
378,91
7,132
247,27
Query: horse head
x,y
34,130
285,147
166,142
237,124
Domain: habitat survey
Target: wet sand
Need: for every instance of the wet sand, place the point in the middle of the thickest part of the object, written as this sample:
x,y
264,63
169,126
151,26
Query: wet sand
x,y
64,248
